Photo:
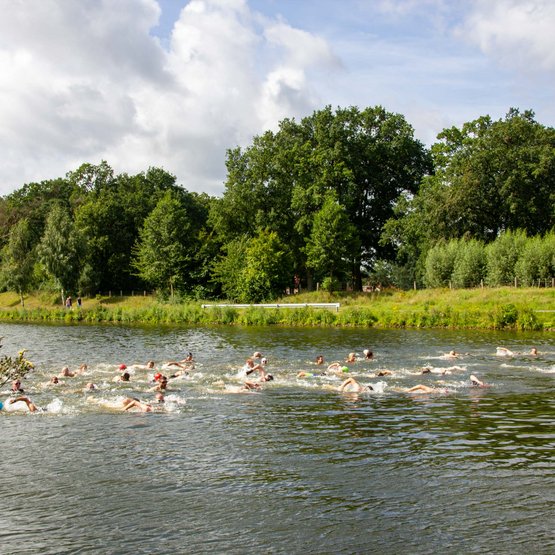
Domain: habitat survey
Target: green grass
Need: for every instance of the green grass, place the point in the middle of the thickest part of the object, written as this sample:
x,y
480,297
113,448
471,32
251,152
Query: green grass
x,y
501,308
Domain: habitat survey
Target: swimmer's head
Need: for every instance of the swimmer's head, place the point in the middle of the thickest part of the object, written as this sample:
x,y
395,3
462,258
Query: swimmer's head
x,y
344,369
268,378
157,376
122,367
150,364
160,398
257,354
264,361
65,371
125,377
90,385
319,359
368,353
54,379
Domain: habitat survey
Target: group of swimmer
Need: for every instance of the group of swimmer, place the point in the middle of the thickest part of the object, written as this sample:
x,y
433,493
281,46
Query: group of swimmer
x,y
18,400
253,376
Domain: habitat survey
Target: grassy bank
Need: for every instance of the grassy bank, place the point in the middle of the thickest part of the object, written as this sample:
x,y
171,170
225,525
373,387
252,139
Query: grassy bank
x,y
502,308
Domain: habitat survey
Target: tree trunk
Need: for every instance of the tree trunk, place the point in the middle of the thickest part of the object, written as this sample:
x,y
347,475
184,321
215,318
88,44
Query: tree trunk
x,y
357,276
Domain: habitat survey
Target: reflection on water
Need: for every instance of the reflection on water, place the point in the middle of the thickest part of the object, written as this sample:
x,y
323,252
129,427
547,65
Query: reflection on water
x,y
294,469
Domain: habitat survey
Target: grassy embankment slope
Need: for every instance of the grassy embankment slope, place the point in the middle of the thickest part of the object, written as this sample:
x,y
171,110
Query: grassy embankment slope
x,y
502,308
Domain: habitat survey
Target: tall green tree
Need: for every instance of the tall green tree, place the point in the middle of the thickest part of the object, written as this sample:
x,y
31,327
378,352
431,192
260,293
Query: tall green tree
x,y
367,158
18,259
61,249
331,241
490,177
165,249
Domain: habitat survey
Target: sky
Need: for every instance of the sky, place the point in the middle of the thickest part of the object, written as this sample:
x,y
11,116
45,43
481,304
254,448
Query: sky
x,y
175,83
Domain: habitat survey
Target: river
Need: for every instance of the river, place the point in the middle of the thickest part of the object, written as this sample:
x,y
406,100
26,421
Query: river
x,y
294,468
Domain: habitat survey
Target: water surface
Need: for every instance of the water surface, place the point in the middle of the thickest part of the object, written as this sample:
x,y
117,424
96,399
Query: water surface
x,y
296,468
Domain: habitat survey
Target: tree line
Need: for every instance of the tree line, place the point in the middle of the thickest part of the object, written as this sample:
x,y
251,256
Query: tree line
x,y
344,195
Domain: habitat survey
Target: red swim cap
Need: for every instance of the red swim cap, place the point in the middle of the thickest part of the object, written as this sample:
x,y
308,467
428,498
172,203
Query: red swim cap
x,y
122,367
157,376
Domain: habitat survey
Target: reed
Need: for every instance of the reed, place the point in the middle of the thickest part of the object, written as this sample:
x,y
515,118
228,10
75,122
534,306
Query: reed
x,y
529,309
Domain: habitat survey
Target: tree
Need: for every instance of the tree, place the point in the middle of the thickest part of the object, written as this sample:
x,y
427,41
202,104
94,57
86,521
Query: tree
x,y
163,254
267,269
18,259
366,158
253,270
330,242
490,177
502,256
12,368
61,249
470,264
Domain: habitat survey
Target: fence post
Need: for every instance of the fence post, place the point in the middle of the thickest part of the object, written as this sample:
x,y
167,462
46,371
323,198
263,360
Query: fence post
x,y
414,285
516,283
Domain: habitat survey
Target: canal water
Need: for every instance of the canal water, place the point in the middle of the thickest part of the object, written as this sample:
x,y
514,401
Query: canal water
x,y
296,467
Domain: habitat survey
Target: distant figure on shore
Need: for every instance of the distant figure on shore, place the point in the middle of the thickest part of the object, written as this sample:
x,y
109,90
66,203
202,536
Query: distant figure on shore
x,y
68,302
79,302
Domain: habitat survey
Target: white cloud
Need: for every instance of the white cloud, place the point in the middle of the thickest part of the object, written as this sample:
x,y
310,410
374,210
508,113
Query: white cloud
x,y
514,32
85,81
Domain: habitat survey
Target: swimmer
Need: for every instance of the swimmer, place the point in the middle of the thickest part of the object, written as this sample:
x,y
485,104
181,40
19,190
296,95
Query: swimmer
x,y
123,378
432,370
533,352
90,386
425,389
257,354
319,360
122,367
54,380
352,357
132,403
65,373
352,386
337,368
186,362
8,405
451,355
247,387
16,387
83,368
476,382
384,373
179,373
162,384
303,374
249,367
503,352
368,354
